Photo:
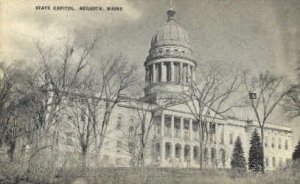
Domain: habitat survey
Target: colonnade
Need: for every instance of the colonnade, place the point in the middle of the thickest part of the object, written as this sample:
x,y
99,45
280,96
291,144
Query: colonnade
x,y
169,71
177,127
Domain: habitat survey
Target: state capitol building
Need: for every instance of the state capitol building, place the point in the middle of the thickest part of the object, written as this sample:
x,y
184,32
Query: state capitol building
x,y
174,137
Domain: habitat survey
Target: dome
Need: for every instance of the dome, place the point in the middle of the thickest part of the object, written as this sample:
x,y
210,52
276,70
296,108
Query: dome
x,y
170,33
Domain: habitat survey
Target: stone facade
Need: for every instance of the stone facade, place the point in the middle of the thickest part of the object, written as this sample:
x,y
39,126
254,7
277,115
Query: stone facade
x,y
174,137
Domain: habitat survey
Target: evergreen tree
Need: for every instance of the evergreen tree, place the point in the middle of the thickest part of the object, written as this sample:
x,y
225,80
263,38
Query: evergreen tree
x,y
296,154
256,161
238,161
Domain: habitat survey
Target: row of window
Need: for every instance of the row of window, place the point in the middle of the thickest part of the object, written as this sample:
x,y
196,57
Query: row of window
x,y
161,51
286,144
120,123
274,162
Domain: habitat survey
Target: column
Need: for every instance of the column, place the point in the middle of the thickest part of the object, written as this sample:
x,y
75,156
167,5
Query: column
x,y
217,135
191,153
163,72
172,71
181,128
181,72
154,73
190,73
172,151
172,126
162,124
182,153
163,151
193,73
191,129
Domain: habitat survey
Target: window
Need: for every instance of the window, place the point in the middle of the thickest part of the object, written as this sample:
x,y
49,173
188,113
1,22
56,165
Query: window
x,y
196,153
267,161
279,143
280,162
168,122
222,157
213,154
119,123
212,128
274,162
177,124
231,138
157,120
273,142
177,150
168,150
266,141
286,145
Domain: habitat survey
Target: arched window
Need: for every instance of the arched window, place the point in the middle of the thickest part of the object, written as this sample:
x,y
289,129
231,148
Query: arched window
x,y
222,157
177,150
196,152
213,155
187,151
119,123
168,150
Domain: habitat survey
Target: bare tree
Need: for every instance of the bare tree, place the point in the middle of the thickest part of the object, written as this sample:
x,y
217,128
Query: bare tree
x,y
208,97
266,92
107,83
139,131
80,127
12,108
292,102
58,74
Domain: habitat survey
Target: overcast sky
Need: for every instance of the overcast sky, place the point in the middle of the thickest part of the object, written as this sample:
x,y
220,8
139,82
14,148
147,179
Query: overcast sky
x,y
258,34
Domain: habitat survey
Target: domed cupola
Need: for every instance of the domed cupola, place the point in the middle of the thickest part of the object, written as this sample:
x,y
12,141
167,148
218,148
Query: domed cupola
x,y
169,64
170,34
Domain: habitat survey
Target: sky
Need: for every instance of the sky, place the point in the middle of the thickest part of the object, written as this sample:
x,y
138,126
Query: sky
x,y
257,34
